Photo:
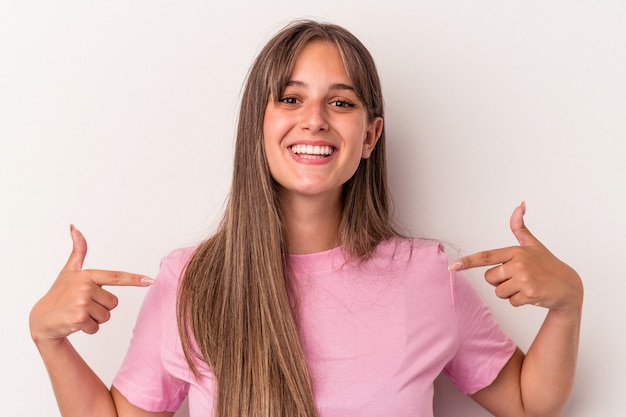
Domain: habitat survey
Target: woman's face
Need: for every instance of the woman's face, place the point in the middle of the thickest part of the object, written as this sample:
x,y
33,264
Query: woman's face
x,y
316,133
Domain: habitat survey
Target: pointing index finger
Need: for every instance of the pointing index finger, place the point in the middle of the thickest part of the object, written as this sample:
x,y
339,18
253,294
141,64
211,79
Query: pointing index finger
x,y
118,278
483,258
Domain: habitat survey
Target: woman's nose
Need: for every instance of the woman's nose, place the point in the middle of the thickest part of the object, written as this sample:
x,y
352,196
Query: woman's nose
x,y
314,117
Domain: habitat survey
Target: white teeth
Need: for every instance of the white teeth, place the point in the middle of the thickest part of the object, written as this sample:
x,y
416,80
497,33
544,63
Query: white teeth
x,y
301,149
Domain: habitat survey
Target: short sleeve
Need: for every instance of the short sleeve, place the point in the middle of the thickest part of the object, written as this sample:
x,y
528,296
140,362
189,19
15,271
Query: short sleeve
x,y
484,348
143,379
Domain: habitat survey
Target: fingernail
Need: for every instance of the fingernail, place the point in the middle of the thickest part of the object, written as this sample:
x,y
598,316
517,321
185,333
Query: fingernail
x,y
455,266
147,281
523,205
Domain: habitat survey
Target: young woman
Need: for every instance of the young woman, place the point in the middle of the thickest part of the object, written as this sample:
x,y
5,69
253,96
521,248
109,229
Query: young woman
x,y
306,301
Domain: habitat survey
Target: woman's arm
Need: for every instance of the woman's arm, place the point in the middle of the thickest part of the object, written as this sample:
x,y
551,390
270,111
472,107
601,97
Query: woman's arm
x,y
126,409
78,390
76,301
538,384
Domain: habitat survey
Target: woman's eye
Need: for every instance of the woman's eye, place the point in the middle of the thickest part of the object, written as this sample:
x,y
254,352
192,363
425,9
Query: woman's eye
x,y
342,103
289,100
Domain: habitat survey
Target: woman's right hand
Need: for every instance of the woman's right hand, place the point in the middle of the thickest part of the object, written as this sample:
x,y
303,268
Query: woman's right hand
x,y
76,301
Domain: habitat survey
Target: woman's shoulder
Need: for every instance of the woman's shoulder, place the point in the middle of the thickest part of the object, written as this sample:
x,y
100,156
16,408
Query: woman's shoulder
x,y
408,247
180,256
173,264
408,254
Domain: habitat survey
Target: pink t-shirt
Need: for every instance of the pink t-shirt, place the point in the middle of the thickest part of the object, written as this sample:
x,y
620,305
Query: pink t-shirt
x,y
375,335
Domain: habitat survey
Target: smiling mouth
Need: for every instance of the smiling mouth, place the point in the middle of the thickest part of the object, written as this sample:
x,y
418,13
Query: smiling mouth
x,y
312,151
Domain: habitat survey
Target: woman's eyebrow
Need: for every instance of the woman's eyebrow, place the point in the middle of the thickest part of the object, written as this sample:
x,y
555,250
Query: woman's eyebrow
x,y
341,86
334,86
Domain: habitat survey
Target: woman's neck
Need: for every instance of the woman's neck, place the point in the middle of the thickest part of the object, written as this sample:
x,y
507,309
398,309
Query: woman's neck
x,y
311,222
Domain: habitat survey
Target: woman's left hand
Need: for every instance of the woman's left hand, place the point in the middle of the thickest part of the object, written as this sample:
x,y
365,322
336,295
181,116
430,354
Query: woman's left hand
x,y
528,273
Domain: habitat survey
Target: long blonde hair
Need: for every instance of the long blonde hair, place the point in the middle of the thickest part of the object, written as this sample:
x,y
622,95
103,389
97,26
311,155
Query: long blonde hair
x,y
234,310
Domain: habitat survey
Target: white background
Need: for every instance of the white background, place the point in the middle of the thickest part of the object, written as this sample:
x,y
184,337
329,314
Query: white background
x,y
118,117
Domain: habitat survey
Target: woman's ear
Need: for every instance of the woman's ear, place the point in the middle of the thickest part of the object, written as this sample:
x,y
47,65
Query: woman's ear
x,y
371,137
